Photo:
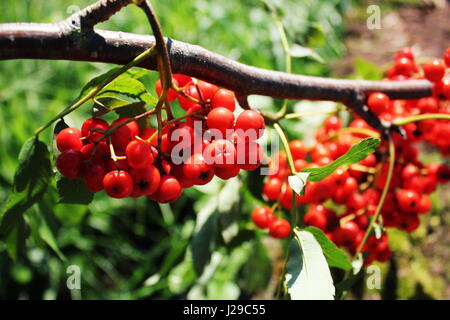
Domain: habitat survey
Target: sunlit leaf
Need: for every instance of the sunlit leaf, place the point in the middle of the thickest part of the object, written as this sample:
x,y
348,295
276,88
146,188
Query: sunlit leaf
x,y
355,154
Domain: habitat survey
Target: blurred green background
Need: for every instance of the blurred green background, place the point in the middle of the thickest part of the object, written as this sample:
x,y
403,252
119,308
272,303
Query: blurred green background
x,y
131,249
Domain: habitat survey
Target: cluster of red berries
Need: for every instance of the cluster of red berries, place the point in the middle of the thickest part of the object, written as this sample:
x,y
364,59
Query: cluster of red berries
x,y
264,218
126,160
341,205
433,131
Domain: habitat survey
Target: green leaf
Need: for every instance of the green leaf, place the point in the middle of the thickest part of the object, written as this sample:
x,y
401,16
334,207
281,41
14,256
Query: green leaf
x,y
182,276
94,82
366,70
335,257
137,73
47,223
307,274
298,51
126,86
73,191
203,242
30,183
228,207
15,239
355,154
257,270
132,110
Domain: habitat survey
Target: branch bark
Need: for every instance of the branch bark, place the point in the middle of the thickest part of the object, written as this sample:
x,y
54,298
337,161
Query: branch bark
x,y
66,40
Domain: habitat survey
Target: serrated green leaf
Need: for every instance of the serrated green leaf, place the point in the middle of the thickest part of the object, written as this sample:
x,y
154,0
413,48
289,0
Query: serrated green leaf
x,y
73,191
355,154
308,276
126,86
137,73
335,257
94,82
30,183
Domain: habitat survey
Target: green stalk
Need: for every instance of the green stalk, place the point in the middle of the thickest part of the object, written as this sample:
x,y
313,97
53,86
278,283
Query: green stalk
x,y
420,117
91,94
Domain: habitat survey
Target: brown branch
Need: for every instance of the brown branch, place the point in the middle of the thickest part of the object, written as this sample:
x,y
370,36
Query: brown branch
x,y
97,12
57,41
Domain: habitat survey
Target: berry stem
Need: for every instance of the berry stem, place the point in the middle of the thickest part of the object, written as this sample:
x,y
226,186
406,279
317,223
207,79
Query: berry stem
x,y
139,116
420,117
382,198
366,132
287,53
163,63
308,113
286,146
91,94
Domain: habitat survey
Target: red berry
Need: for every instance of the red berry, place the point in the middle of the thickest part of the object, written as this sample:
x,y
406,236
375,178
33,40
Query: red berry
x,y
182,79
221,153
118,184
223,98
139,154
280,228
221,119
207,90
169,190
194,121
272,188
250,156
316,218
69,139
332,123
378,102
93,177
226,173
124,134
404,66
384,255
263,217
408,200
428,105
197,169
251,123
424,204
146,181
94,128
171,94
409,171
69,163
346,235
356,201
404,53
298,149
434,70
408,222
447,57
191,91
286,197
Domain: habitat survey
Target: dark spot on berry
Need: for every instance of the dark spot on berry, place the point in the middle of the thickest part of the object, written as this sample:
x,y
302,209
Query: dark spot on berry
x,y
204,175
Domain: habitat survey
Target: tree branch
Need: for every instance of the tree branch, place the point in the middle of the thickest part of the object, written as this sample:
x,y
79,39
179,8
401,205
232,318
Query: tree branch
x,y
57,41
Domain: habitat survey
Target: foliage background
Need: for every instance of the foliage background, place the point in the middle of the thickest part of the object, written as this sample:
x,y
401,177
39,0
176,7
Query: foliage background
x,y
130,249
